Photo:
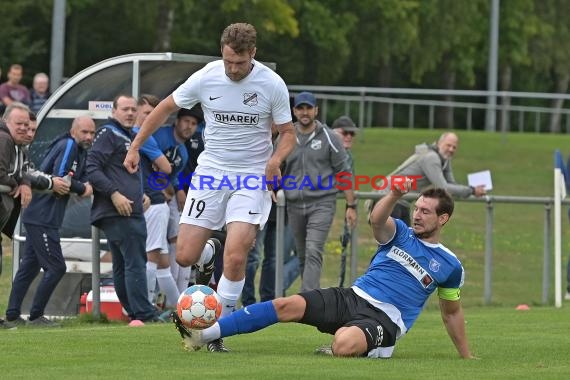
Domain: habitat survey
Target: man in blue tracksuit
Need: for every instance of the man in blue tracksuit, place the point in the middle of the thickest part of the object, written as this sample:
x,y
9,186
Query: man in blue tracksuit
x,y
118,208
65,157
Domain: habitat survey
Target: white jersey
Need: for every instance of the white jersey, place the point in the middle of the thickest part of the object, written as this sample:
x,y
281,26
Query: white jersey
x,y
238,115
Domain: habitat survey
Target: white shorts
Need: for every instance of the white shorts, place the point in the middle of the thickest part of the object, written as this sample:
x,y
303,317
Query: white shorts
x,y
78,251
219,197
174,218
156,218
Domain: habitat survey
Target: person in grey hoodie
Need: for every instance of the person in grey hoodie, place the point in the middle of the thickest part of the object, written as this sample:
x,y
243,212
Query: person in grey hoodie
x,y
431,165
310,185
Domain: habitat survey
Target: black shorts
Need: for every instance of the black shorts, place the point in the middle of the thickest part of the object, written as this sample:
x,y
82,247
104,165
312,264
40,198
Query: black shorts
x,y
332,308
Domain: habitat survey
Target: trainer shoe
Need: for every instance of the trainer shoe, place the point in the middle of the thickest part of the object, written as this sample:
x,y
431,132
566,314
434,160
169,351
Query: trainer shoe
x,y
324,350
42,322
15,323
567,296
157,318
3,325
204,271
217,346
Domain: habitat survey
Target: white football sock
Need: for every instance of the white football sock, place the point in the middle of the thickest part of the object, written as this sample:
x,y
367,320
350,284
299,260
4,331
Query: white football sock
x,y
168,286
211,333
151,280
183,278
172,258
229,292
206,254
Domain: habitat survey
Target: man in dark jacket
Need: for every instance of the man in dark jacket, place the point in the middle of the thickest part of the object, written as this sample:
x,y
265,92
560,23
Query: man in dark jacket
x,y
13,184
64,161
118,208
15,190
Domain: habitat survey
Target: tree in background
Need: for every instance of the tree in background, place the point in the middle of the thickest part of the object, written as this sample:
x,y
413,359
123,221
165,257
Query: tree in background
x,y
385,31
551,50
375,43
23,36
448,48
518,25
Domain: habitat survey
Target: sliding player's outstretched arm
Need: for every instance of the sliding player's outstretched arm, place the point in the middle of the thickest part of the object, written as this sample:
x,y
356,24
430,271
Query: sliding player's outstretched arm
x,y
452,316
383,225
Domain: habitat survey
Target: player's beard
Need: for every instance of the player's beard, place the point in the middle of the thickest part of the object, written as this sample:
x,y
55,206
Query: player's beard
x,y
426,233
307,124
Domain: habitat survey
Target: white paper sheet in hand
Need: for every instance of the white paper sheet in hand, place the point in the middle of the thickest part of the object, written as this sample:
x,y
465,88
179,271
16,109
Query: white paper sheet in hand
x,y
480,178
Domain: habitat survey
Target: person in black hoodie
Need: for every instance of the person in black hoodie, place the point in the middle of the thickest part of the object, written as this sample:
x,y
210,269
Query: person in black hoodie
x,y
15,189
65,162
118,208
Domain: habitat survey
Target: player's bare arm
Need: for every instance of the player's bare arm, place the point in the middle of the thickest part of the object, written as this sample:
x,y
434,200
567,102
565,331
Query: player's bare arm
x,y
153,121
383,226
454,321
287,141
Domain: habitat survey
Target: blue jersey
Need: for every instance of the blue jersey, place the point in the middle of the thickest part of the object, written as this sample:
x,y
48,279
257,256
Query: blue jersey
x,y
406,271
163,142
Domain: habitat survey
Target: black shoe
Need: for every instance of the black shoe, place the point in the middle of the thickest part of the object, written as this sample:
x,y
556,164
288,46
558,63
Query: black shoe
x,y
5,325
204,272
18,322
217,346
42,322
156,319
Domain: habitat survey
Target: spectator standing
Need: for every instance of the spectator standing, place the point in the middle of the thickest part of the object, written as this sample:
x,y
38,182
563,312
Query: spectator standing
x,y
241,98
15,189
318,157
118,208
11,90
65,161
40,92
345,129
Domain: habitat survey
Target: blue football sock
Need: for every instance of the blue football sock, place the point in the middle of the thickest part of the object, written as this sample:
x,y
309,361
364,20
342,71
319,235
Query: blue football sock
x,y
248,319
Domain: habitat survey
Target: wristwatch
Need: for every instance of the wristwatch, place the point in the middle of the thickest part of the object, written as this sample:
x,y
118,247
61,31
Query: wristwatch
x,y
352,206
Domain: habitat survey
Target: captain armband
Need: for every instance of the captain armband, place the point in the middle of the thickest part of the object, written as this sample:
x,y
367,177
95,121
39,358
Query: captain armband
x,y
449,294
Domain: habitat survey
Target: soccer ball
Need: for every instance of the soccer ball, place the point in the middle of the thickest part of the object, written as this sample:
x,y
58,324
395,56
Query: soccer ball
x,y
199,307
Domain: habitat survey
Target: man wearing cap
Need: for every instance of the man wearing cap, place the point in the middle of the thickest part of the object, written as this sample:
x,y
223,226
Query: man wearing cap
x,y
318,158
346,129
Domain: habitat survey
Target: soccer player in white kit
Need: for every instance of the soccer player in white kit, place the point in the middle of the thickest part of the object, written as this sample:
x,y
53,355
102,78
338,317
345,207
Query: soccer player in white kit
x,y
241,98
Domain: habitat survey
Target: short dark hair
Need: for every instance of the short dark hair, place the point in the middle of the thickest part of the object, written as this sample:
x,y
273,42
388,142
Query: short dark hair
x,y
121,96
445,204
149,99
241,37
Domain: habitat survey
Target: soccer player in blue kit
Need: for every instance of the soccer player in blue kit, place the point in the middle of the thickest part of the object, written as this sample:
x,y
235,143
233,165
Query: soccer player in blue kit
x,y
382,305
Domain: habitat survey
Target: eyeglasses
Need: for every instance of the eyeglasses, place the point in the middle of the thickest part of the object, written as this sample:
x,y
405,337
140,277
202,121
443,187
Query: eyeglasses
x,y
344,133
